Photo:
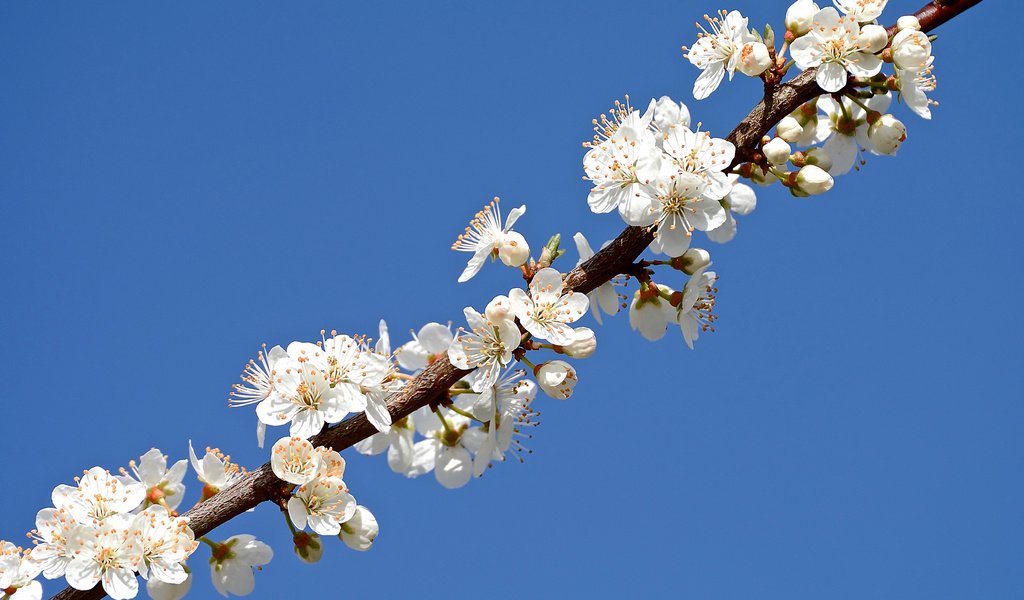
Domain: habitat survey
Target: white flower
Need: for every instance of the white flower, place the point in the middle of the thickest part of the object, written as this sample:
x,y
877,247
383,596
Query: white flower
x,y
215,470
680,206
166,543
161,590
443,451
546,311
651,313
303,396
557,378
845,129
106,553
505,407
812,180
232,562
698,153
487,345
833,44
258,383
887,134
98,496
585,344
914,89
861,11
324,504
513,250
308,547
604,297
428,345
911,50
789,129
693,314
498,309
54,529
163,486
17,574
623,158
359,531
873,38
485,237
740,200
800,15
717,51
294,460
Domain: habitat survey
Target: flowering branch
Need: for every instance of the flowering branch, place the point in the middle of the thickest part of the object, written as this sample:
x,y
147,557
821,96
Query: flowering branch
x,y
432,386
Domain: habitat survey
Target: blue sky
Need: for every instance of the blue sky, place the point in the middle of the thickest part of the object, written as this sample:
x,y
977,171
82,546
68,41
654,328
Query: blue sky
x,y
180,184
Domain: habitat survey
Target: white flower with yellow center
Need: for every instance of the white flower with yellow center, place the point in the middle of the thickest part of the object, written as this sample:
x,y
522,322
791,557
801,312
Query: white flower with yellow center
x,y
163,485
108,553
487,345
833,45
717,51
293,459
741,200
698,153
17,574
680,207
546,312
232,562
914,89
303,396
54,528
98,495
427,345
323,503
486,236
216,470
623,158
257,384
166,543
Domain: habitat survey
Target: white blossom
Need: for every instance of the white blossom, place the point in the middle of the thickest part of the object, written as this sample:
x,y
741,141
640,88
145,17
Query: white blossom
x,y
359,531
293,459
161,590
800,15
911,50
812,180
557,378
257,384
697,153
623,158
486,236
651,313
215,470
861,11
232,563
163,486
108,553
887,134
487,345
833,46
584,345
323,503
98,496
693,314
717,51
546,312
914,88
741,200
17,574
52,551
166,543
427,345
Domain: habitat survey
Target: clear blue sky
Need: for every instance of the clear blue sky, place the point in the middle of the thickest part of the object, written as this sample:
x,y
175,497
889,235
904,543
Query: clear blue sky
x,y
183,181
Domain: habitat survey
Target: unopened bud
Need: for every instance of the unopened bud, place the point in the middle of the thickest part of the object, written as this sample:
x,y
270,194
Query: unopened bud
x,y
911,50
498,309
819,158
800,15
754,59
694,259
908,22
308,547
584,345
886,134
777,151
789,129
872,38
513,251
812,180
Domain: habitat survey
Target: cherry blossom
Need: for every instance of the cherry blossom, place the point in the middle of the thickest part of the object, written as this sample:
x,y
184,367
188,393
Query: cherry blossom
x,y
833,46
232,563
718,51
486,236
546,312
487,345
163,486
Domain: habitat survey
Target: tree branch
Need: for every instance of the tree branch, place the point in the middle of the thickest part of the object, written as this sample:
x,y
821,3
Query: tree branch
x,y
261,485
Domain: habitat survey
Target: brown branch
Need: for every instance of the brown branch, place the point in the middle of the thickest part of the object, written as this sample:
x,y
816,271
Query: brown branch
x,y
618,257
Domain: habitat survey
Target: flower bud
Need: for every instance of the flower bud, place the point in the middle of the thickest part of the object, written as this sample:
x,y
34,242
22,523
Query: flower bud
x,y
557,378
812,180
886,134
499,309
759,177
819,158
872,38
161,590
650,313
307,546
513,251
754,59
800,15
908,22
789,129
695,259
911,50
359,532
777,151
584,345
